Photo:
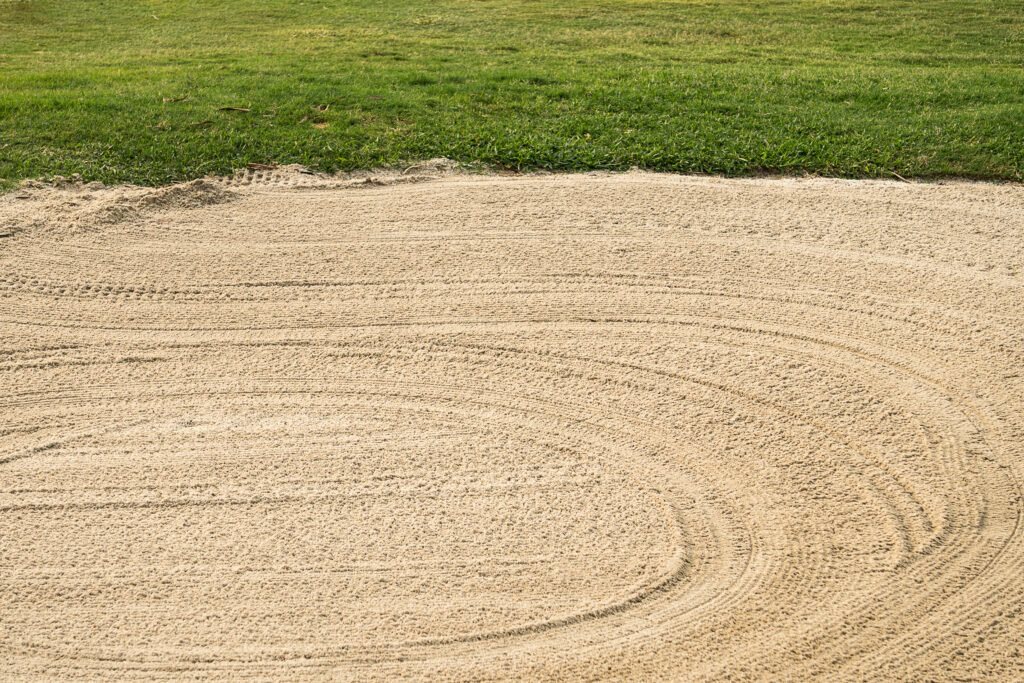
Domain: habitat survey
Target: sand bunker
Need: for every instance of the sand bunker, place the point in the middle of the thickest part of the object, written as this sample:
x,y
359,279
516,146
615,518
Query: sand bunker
x,y
632,426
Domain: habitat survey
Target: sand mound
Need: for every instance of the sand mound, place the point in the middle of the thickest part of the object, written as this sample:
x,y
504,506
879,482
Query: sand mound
x,y
68,206
290,426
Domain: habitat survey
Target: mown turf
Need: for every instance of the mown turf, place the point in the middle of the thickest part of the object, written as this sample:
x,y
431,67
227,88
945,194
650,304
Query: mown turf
x,y
133,90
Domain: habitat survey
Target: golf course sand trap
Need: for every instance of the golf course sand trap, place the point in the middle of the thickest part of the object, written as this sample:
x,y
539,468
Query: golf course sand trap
x,y
431,424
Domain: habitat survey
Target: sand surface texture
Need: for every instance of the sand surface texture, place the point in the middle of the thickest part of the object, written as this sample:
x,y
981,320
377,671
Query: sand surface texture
x,y
634,426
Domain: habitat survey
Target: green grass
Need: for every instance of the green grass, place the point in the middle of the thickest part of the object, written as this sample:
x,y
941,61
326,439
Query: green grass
x,y
132,90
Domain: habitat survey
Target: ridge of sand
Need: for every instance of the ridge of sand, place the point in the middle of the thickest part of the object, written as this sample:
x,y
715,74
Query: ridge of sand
x,y
426,423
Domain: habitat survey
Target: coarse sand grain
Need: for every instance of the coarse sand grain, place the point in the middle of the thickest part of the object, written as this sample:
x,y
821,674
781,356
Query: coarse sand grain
x,y
431,424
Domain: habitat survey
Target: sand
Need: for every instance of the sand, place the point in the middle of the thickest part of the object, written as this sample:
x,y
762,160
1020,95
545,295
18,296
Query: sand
x,y
431,424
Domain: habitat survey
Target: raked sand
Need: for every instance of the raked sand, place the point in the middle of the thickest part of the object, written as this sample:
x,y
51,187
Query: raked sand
x,y
635,426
